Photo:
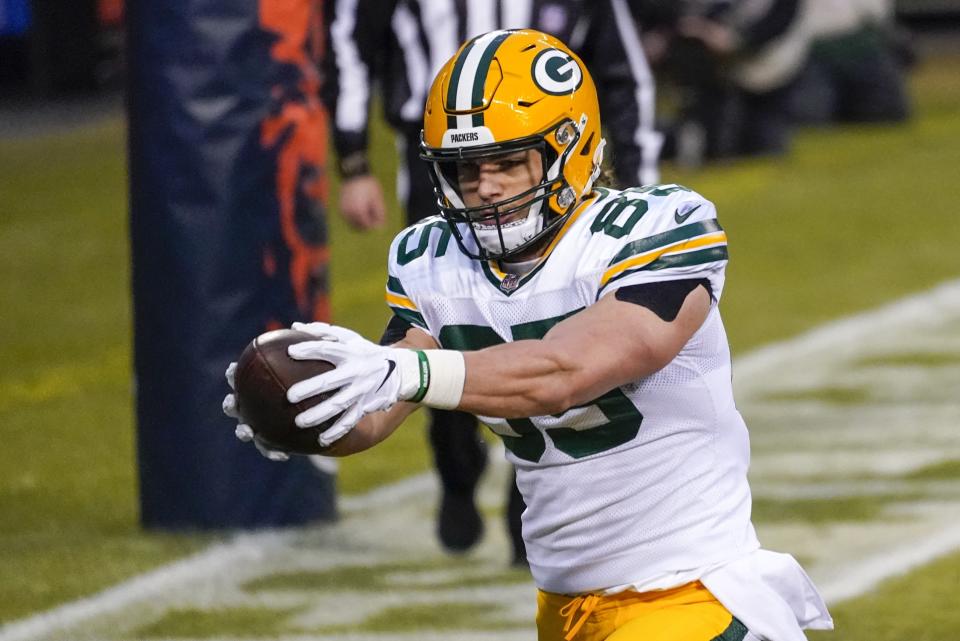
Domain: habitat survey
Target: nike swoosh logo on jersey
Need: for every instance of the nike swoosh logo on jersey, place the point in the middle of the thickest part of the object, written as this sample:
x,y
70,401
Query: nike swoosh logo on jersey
x,y
680,218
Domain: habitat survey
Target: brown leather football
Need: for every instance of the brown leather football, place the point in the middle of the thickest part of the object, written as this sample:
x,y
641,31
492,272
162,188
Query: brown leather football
x,y
264,374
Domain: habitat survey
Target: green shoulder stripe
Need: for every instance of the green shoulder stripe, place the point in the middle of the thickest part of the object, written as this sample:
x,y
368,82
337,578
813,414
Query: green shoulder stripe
x,y
699,257
666,238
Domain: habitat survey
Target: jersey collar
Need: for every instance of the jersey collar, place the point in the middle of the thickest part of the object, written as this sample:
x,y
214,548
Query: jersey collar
x,y
508,283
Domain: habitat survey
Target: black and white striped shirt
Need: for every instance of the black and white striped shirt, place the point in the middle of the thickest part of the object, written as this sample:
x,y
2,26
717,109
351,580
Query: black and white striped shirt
x,y
400,45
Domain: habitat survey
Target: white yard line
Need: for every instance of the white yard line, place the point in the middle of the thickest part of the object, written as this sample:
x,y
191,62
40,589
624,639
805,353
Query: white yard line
x,y
842,337
387,495
753,373
880,435
217,558
868,573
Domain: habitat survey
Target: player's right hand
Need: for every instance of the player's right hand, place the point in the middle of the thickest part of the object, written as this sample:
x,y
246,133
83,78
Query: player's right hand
x,y
362,204
367,378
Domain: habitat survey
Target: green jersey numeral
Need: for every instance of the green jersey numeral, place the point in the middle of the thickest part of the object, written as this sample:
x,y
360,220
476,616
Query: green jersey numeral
x,y
606,220
619,420
611,219
405,255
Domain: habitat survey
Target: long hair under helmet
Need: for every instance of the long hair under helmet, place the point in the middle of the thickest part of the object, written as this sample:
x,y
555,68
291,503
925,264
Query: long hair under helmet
x,y
503,92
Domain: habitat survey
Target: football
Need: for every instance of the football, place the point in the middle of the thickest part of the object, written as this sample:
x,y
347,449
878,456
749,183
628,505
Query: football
x,y
264,374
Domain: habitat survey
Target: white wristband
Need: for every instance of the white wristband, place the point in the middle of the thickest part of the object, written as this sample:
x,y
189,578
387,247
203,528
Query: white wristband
x,y
447,374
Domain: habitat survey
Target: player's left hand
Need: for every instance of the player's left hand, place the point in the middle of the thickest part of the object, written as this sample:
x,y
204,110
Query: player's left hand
x,y
367,378
243,431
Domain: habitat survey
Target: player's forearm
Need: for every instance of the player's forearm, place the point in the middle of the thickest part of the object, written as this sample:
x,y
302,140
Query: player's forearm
x,y
521,379
580,359
372,429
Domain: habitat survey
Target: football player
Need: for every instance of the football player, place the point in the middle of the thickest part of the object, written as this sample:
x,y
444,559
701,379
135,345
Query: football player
x,y
398,45
582,325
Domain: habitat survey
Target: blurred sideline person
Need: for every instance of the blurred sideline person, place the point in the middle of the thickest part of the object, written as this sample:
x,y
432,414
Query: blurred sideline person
x,y
854,72
401,44
735,62
582,325
748,72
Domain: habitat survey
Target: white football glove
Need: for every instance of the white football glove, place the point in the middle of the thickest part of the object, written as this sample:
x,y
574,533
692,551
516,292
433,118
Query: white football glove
x,y
368,378
326,331
245,432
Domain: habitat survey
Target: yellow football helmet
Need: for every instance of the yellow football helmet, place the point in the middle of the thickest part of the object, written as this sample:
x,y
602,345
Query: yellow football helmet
x,y
503,92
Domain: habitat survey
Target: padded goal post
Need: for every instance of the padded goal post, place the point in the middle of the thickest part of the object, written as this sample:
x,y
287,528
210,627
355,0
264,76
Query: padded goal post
x,y
227,143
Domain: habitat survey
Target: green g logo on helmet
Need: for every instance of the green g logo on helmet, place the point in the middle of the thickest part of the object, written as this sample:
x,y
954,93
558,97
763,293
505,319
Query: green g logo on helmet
x,y
556,73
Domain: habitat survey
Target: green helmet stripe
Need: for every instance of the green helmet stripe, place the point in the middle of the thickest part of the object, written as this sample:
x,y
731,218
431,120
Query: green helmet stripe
x,y
455,81
469,75
480,79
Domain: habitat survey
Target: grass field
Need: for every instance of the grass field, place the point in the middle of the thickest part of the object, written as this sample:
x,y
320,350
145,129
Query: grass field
x,y
914,607
851,219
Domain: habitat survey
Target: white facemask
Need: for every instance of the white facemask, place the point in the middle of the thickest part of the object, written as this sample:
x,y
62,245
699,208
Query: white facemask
x,y
515,233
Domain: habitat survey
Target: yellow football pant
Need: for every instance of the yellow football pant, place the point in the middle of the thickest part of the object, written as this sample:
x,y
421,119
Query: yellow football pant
x,y
687,613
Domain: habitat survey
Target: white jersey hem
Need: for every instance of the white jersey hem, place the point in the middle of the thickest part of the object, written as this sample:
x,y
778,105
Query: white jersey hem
x,y
770,594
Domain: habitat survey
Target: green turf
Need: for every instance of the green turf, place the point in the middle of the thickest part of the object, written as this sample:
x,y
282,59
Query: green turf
x,y
68,481
920,606
385,577
945,470
265,623
851,219
226,623
347,577
433,616
926,359
823,510
67,485
830,395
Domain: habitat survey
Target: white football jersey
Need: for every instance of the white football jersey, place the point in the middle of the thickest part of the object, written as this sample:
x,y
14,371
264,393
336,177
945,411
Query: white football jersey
x,y
646,486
